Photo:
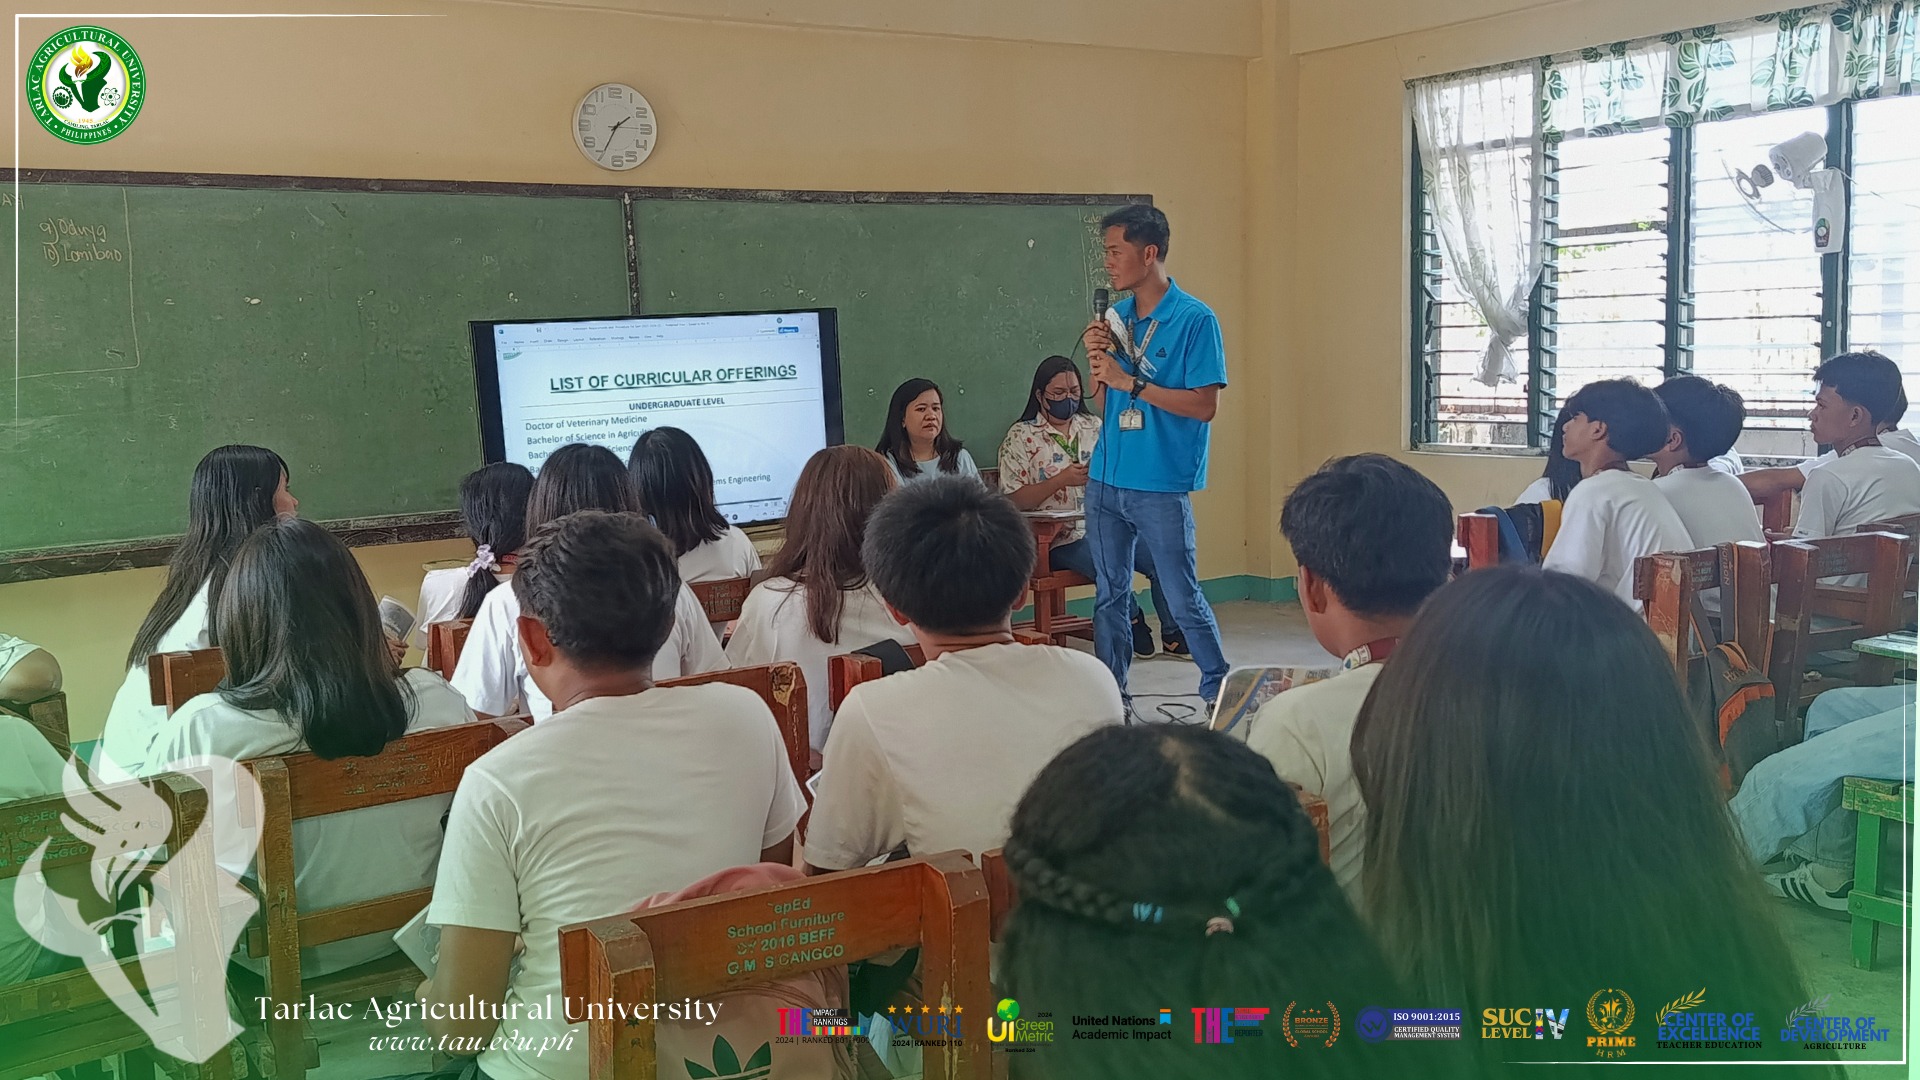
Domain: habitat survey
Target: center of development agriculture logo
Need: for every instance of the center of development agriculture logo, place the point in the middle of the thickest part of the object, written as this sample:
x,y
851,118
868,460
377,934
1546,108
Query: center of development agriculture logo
x,y
85,84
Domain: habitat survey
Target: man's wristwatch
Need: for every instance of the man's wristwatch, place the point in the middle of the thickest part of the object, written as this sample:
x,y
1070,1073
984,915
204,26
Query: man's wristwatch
x,y
1139,384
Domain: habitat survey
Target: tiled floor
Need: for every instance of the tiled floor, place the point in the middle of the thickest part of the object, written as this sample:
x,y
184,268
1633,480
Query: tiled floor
x,y
1166,688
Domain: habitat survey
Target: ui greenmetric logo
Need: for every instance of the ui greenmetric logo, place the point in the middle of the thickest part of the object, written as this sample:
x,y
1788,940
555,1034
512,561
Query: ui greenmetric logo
x,y
85,84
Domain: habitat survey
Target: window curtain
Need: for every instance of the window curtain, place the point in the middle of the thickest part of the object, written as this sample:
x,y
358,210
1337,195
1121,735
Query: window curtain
x,y
1789,60
1477,151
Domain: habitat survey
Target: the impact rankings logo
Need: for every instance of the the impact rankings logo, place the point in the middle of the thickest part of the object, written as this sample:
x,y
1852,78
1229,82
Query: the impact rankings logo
x,y
85,84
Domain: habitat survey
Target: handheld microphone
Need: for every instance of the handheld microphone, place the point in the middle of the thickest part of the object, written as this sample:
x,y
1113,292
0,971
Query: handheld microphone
x,y
1100,305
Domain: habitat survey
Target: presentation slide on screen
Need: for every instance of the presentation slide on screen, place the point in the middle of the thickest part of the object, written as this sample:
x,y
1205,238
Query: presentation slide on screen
x,y
748,388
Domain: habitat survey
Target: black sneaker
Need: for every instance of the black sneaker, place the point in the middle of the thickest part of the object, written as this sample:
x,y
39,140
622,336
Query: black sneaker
x,y
1142,637
1175,645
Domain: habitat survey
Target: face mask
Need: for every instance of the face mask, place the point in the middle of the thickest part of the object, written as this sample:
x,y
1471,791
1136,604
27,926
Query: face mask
x,y
1062,409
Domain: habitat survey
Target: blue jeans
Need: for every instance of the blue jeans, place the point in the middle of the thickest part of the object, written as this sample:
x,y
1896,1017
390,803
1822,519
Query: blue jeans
x,y
1078,557
1120,522
1791,800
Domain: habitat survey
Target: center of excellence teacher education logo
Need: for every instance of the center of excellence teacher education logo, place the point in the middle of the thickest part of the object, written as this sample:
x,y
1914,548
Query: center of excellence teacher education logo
x,y
85,84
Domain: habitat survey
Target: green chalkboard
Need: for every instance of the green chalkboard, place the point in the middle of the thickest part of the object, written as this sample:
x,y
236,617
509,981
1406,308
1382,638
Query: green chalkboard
x,y
156,322
970,296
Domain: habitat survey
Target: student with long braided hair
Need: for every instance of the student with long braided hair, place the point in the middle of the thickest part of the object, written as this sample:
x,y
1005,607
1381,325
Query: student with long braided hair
x,y
1167,866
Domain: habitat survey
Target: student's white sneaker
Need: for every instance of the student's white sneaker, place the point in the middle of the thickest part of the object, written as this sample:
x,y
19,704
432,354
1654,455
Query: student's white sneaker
x,y
1798,884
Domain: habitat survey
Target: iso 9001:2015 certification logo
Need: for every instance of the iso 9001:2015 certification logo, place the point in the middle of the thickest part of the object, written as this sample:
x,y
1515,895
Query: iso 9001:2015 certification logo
x,y
85,84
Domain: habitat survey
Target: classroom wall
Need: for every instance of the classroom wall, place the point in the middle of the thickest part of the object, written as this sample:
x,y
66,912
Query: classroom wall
x,y
866,96
1350,253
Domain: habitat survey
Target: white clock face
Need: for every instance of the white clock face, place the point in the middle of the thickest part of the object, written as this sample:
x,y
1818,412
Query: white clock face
x,y
614,126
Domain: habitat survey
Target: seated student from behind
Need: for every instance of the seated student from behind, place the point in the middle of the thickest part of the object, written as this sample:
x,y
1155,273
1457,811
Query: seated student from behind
x,y
1705,420
627,790
1373,539
28,672
1614,515
935,758
308,668
1866,481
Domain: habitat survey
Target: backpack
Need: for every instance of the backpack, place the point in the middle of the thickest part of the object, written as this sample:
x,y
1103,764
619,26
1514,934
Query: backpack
x,y
1735,703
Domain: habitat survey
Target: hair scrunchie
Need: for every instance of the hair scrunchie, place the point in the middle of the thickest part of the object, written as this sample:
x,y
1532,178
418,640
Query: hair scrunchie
x,y
482,560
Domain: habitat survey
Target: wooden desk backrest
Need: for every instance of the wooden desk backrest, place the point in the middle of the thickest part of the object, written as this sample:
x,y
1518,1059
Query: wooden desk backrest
x,y
1479,534
174,678
1666,584
937,902
1798,567
1776,512
294,787
991,478
722,599
1001,894
1899,525
848,670
162,817
444,642
48,716
784,688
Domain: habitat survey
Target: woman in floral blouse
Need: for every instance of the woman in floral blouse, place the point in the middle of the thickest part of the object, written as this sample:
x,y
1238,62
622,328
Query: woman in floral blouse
x,y
1043,466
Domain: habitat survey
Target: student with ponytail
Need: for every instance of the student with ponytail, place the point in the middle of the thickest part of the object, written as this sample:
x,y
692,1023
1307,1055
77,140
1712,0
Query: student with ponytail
x,y
492,673
236,489
493,507
1160,865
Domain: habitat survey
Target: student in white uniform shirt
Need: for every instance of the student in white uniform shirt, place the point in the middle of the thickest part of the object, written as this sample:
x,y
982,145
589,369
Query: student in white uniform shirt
x,y
493,507
936,758
1866,481
492,675
675,485
1705,419
626,791
308,668
28,673
236,489
1614,515
1766,483
1373,539
818,602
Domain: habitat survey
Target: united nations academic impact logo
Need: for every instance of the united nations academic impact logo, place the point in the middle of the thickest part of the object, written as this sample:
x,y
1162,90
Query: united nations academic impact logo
x,y
86,84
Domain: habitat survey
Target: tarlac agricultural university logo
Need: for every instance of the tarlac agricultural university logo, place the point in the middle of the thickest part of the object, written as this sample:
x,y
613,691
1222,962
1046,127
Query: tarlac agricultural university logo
x,y
85,84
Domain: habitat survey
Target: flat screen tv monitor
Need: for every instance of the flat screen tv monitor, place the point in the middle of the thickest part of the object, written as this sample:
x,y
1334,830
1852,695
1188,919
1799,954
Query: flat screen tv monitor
x,y
759,391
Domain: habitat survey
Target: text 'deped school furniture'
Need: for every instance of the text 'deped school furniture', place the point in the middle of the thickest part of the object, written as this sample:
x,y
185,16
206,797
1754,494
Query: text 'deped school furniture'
x,y
693,950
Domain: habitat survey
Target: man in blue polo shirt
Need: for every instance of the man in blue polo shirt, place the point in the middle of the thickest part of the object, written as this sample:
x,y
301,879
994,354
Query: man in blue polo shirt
x,y
1158,387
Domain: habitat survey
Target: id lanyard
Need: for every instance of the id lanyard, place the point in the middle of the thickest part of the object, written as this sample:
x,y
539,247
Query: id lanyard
x,y
1131,418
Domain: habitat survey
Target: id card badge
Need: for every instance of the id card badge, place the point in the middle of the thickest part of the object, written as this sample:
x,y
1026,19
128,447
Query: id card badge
x,y
1132,419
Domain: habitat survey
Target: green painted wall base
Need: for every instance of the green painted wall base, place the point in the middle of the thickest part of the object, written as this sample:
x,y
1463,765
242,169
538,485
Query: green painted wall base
x,y
1217,590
